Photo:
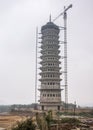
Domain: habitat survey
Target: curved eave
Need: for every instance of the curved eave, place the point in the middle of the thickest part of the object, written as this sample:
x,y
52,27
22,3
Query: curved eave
x,y
50,72
49,61
43,56
49,79
50,36
50,50
48,44
41,68
48,89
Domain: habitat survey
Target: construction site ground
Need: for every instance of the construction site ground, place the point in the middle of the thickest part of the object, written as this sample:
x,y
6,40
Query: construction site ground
x,y
7,121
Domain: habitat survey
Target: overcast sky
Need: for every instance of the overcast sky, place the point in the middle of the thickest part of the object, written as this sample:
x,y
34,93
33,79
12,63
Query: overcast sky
x,y
18,22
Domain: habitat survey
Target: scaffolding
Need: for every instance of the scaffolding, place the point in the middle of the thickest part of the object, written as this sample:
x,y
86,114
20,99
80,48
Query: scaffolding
x,y
64,14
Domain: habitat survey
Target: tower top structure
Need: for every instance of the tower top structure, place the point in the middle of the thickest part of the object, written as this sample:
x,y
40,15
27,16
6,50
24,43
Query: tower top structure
x,y
50,25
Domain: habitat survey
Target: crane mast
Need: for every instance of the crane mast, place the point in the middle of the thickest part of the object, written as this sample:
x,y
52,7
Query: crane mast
x,y
65,61
64,13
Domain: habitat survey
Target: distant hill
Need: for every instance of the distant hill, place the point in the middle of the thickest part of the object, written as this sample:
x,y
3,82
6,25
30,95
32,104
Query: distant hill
x,y
5,108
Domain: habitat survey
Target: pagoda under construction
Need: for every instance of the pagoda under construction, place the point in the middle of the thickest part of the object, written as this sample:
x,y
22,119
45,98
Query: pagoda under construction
x,y
50,90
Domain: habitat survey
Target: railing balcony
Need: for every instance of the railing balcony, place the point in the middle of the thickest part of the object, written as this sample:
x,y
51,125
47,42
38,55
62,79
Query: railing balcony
x,y
49,87
50,99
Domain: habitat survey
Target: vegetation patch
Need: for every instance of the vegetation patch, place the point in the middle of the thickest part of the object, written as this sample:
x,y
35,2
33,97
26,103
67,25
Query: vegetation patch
x,y
25,125
70,121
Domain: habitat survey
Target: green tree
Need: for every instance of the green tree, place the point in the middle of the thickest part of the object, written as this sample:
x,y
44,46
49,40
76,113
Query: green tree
x,y
41,122
25,125
48,119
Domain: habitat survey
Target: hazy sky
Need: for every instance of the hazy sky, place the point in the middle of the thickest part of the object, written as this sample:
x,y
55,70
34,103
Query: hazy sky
x,y
18,22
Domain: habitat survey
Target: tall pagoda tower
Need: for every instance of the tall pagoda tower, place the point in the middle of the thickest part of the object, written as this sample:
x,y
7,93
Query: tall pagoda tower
x,y
50,90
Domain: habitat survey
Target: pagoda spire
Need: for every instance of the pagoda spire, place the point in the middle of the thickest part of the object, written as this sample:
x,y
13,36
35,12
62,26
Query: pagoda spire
x,y
50,18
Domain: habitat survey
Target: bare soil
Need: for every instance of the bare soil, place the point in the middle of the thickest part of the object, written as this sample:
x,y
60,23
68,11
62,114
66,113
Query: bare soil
x,y
7,121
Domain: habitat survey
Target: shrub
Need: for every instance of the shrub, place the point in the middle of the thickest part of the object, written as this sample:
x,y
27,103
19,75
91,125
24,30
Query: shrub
x,y
70,120
25,125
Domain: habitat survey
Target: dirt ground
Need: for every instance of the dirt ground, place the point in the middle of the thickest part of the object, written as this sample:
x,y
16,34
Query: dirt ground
x,y
7,121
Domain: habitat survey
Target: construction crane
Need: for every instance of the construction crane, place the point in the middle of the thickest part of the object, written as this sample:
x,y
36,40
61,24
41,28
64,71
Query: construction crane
x,y
64,13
